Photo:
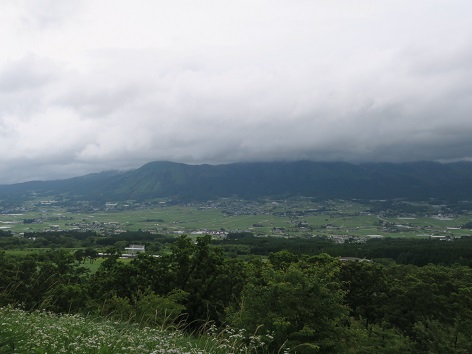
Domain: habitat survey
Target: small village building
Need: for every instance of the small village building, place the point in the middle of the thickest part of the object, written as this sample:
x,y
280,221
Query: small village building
x,y
133,250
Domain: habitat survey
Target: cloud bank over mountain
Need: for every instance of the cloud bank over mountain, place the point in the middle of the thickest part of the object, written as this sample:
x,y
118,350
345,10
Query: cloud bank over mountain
x,y
93,85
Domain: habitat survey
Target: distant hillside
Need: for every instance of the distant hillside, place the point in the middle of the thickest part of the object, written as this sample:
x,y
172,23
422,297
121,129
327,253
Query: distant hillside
x,y
419,180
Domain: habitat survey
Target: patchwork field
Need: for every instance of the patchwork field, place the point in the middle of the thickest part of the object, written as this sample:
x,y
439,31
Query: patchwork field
x,y
290,218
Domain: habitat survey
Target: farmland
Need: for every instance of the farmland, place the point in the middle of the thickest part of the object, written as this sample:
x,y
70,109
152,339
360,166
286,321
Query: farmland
x,y
295,217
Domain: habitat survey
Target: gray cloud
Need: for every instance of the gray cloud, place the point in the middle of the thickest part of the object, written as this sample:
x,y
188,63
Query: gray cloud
x,y
94,86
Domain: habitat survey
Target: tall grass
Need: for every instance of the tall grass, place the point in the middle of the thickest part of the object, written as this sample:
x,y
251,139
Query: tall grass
x,y
43,332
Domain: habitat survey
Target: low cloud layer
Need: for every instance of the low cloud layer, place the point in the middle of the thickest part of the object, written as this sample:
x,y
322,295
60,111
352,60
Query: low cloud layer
x,y
102,85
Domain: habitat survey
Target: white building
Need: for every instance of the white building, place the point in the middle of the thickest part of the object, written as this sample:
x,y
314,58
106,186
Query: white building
x,y
133,250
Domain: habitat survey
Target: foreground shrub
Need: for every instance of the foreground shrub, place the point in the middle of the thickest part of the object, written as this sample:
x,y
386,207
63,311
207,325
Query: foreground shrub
x,y
146,308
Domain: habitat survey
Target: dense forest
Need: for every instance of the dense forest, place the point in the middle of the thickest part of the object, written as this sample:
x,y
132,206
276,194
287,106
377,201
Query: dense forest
x,y
308,303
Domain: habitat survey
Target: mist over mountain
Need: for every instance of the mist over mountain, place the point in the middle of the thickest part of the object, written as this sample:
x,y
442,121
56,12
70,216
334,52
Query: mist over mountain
x,y
419,180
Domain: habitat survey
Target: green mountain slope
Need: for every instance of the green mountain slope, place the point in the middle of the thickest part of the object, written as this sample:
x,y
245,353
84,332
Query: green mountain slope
x,y
420,180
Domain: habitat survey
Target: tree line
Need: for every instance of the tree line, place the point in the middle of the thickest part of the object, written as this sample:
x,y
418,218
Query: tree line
x,y
308,303
418,252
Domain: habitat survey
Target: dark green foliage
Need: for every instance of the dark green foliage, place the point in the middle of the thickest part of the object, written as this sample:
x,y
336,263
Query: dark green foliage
x,y
132,237
57,239
430,305
467,225
52,280
196,269
4,233
76,235
7,340
418,252
312,304
239,235
366,291
82,239
146,308
301,304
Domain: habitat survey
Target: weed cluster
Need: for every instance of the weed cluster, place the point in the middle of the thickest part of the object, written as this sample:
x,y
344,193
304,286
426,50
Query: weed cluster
x,y
42,332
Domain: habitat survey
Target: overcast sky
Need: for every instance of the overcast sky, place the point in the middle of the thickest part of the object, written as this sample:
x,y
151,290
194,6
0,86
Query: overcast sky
x,y
93,85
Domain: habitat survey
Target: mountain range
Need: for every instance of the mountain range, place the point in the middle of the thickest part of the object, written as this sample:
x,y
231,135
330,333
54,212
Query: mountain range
x,y
417,180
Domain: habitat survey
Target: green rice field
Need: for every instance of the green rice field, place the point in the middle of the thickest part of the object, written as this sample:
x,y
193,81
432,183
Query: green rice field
x,y
290,218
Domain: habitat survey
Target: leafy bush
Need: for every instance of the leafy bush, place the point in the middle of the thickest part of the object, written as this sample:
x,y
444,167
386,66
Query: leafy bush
x,y
146,308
